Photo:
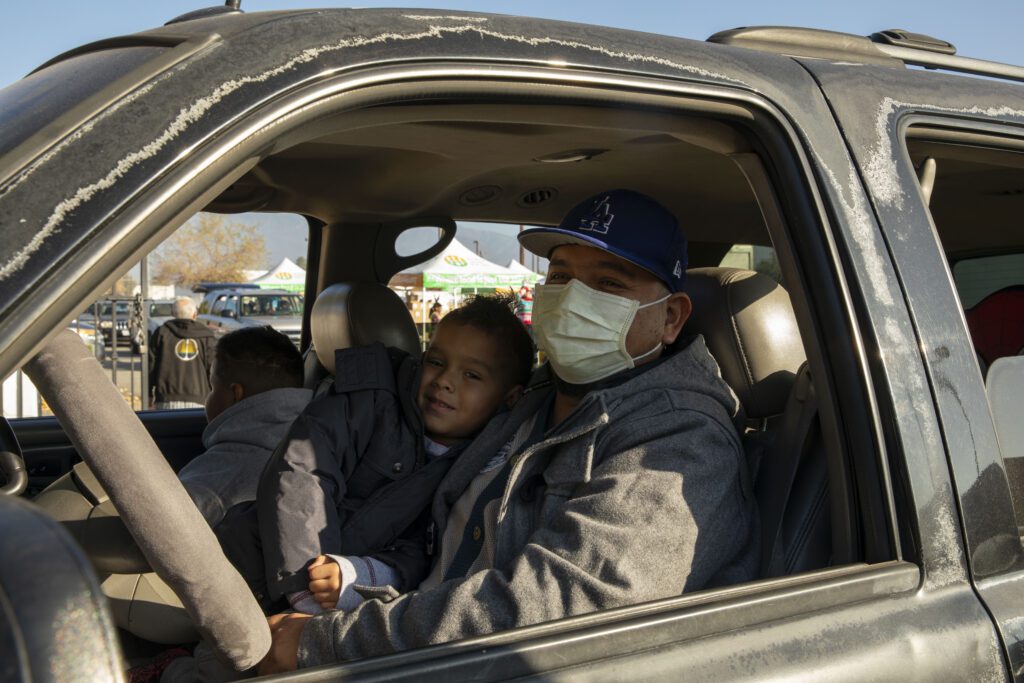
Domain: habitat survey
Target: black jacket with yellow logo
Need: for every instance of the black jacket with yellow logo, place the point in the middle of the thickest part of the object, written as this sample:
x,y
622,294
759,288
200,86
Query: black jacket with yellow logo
x,y
180,355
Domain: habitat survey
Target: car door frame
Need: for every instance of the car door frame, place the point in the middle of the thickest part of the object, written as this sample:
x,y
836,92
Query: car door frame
x,y
968,444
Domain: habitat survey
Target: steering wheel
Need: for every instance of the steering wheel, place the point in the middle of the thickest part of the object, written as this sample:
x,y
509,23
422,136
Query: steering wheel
x,y
11,463
168,528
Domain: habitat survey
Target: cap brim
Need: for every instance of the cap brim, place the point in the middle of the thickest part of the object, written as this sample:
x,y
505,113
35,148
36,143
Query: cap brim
x,y
542,241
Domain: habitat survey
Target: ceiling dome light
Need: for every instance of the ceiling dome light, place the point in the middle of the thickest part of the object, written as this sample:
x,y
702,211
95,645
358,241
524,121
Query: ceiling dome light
x,y
570,156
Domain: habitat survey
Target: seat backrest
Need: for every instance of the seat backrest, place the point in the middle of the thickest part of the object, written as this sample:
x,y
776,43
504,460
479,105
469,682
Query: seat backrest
x,y
997,324
748,323
354,314
1005,388
54,629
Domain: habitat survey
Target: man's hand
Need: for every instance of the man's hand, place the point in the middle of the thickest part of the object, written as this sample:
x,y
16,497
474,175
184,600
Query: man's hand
x,y
285,630
325,581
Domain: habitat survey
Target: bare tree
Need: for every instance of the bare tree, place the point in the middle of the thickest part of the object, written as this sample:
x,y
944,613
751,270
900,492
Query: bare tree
x,y
209,248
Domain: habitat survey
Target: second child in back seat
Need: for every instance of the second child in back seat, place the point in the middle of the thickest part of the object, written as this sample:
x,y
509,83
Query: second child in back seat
x,y
340,502
257,393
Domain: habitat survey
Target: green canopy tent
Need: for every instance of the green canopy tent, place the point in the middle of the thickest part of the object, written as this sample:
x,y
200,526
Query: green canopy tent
x,y
458,270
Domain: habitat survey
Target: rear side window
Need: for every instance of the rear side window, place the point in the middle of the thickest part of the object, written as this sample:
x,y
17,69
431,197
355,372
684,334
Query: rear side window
x,y
976,278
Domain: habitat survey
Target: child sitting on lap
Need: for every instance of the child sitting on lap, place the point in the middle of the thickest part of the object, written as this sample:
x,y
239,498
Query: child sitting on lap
x,y
344,498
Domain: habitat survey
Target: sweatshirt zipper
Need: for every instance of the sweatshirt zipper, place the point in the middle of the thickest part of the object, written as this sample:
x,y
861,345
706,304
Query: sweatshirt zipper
x,y
517,464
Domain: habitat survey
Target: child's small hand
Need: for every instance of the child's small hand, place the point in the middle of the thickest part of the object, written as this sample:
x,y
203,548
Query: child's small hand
x,y
325,581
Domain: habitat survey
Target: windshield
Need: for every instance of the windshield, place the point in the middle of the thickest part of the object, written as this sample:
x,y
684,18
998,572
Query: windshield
x,y
271,305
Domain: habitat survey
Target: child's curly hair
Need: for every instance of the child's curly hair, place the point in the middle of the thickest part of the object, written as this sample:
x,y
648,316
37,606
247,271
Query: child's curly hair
x,y
495,315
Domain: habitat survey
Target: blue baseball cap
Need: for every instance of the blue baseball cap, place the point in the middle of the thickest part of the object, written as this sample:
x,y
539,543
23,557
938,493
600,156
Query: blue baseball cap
x,y
625,223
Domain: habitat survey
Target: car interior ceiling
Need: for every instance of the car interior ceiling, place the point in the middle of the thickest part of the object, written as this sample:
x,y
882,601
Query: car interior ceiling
x,y
507,164
978,196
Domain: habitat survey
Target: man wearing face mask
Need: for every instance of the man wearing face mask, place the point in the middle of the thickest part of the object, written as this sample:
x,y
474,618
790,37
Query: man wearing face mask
x,y
618,478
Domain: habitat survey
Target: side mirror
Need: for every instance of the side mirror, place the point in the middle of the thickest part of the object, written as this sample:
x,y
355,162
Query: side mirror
x,y
228,313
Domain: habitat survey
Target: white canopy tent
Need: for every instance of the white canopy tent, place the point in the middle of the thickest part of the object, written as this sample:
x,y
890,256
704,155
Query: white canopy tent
x,y
516,267
458,268
455,271
285,275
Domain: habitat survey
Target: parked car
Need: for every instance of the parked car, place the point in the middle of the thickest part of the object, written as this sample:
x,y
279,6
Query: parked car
x,y
224,310
890,492
114,319
158,311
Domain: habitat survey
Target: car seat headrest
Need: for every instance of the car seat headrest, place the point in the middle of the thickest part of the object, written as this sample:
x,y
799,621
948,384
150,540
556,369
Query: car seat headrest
x,y
354,314
996,324
748,324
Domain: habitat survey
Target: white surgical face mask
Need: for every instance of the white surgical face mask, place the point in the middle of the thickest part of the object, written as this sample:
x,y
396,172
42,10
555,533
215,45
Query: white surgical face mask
x,y
583,331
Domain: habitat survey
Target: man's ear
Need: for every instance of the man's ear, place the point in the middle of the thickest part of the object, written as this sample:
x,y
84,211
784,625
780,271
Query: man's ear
x,y
513,395
678,309
237,391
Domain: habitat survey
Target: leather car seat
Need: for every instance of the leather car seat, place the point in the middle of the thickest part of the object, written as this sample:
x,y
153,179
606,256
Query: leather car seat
x,y
352,314
54,621
996,324
748,324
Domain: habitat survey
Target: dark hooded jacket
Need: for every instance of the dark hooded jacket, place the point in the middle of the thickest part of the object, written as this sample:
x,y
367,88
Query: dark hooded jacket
x,y
351,477
180,355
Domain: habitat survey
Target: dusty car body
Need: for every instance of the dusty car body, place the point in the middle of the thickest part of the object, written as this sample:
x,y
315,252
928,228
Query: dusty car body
x,y
369,122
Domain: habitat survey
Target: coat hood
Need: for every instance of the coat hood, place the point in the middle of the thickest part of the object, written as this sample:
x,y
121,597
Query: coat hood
x,y
183,328
260,421
687,366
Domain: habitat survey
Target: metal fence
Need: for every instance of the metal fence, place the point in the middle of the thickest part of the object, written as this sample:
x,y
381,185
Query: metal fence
x,y
122,354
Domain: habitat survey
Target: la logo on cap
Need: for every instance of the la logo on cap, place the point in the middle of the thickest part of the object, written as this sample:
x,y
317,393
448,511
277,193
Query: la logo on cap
x,y
599,219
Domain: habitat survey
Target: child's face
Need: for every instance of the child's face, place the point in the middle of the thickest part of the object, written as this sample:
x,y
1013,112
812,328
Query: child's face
x,y
464,382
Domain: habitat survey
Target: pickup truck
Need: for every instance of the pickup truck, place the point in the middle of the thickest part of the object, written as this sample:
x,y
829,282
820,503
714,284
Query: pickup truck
x,y
224,310
881,374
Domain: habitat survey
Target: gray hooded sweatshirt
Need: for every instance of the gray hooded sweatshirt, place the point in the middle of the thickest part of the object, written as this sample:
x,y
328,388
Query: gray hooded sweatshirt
x,y
643,492
238,444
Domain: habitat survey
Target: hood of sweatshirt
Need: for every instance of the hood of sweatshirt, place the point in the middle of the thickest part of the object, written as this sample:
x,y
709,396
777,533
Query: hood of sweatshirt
x,y
260,421
183,328
686,366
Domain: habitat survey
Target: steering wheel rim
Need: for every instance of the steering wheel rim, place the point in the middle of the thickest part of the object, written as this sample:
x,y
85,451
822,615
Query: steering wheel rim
x,y
167,526
12,463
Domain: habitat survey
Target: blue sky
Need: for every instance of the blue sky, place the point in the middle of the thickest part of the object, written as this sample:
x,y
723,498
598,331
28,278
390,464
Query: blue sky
x,y
33,32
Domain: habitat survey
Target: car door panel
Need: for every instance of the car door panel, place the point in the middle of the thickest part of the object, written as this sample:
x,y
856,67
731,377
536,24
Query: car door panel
x,y
49,453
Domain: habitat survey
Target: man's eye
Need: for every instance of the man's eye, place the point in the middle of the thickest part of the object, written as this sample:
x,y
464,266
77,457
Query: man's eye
x,y
557,277
435,362
473,376
611,284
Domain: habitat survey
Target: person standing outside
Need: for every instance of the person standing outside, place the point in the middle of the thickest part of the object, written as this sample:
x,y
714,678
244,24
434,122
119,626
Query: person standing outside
x,y
524,307
180,356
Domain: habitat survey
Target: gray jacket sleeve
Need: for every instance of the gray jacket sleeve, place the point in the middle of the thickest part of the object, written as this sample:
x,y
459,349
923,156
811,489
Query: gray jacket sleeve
x,y
655,518
206,499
